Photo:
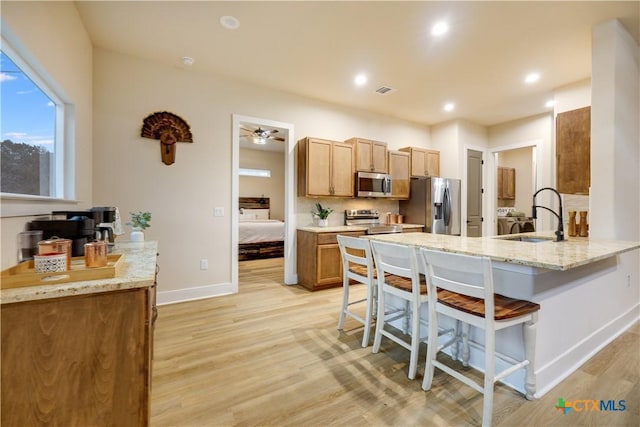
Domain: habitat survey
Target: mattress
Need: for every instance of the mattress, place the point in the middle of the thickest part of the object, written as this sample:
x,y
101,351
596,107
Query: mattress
x,y
256,231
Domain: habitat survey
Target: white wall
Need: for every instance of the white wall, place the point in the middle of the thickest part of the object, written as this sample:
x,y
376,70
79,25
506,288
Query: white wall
x,y
182,196
56,41
273,187
615,135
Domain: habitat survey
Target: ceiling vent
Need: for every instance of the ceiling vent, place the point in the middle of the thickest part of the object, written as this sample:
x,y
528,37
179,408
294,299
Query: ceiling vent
x,y
383,90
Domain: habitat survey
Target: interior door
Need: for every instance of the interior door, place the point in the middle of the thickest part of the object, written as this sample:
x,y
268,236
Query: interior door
x,y
474,193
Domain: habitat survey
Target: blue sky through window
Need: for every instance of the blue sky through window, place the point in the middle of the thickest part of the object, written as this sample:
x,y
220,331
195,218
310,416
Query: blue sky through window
x,y
27,115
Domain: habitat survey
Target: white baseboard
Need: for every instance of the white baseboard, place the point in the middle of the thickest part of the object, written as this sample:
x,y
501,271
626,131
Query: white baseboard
x,y
561,367
191,294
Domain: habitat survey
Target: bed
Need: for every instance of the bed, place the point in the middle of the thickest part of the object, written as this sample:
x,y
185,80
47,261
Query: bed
x,y
259,236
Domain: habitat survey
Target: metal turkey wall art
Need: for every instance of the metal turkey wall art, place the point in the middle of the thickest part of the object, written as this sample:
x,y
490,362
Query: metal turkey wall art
x,y
169,129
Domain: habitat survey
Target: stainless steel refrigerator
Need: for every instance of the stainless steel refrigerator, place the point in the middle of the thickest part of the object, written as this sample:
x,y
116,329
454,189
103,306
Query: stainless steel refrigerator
x,y
434,202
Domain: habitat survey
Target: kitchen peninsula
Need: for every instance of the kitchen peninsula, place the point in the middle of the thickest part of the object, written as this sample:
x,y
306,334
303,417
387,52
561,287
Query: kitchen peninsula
x,y
579,284
79,353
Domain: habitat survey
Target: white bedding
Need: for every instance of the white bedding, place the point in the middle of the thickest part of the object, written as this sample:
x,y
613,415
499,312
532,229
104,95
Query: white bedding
x,y
256,231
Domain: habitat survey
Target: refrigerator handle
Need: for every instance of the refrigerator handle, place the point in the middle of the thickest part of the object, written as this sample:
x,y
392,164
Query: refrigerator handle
x,y
447,207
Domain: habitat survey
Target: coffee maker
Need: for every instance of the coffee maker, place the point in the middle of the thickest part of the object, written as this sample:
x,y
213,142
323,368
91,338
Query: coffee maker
x,y
79,226
79,229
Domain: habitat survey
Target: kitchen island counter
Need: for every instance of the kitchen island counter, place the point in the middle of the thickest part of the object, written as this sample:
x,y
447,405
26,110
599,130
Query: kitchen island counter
x,y
588,291
565,255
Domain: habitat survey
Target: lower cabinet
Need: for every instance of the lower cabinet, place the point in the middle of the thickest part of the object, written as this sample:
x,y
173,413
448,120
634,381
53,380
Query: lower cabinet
x,y
318,259
78,360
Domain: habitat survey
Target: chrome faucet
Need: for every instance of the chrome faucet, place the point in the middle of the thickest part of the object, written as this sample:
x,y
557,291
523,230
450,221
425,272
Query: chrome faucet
x,y
560,231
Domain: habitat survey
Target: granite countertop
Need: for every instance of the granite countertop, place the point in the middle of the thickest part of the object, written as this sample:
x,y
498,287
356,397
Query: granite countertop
x,y
138,272
573,252
345,228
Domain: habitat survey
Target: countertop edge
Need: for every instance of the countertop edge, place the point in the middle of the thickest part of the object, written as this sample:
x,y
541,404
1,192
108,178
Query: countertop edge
x,y
140,268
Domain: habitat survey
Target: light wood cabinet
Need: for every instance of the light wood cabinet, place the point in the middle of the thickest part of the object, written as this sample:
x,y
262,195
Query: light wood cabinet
x,y
573,151
318,259
325,168
506,183
371,156
424,162
78,360
399,164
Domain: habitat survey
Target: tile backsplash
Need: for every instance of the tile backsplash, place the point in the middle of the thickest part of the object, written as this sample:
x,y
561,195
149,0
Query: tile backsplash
x,y
305,206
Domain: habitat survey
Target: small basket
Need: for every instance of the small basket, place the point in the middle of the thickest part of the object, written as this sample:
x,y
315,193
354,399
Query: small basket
x,y
50,262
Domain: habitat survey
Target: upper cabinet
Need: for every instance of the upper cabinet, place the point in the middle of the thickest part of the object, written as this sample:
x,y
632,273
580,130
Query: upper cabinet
x,y
399,164
325,168
506,183
573,151
371,156
424,162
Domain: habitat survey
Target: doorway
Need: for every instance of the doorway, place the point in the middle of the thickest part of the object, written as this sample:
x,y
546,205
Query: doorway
x,y
286,132
523,158
474,193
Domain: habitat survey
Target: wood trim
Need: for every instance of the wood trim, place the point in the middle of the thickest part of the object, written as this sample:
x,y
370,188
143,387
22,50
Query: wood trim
x,y
253,202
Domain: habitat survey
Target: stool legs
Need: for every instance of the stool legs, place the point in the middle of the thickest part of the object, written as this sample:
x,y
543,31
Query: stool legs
x,y
466,351
529,336
368,316
345,305
489,376
377,340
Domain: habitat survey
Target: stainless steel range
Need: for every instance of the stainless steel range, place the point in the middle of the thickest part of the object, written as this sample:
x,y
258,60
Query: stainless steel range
x,y
369,218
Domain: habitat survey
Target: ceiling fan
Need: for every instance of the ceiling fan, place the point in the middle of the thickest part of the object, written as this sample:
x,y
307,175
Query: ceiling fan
x,y
260,136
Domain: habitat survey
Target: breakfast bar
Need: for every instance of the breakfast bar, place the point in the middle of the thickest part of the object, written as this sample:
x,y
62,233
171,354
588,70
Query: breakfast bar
x,y
588,291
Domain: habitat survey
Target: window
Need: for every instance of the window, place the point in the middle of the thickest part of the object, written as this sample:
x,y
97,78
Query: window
x,y
31,130
262,173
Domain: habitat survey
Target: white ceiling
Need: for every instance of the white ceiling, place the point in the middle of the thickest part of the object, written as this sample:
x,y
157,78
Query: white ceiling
x,y
316,48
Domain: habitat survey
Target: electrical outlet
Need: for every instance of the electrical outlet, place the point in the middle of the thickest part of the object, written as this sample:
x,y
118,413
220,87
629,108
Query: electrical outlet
x,y
218,211
204,264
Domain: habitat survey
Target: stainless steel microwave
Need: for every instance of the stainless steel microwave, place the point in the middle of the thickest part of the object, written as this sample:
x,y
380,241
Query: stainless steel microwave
x,y
373,184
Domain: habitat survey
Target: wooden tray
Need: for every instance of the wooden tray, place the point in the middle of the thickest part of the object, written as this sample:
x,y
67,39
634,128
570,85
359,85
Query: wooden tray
x,y
24,275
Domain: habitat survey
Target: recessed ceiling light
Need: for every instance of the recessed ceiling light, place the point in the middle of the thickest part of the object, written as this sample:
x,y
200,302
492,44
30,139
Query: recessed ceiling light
x,y
360,80
439,28
230,22
550,103
532,78
449,106
187,60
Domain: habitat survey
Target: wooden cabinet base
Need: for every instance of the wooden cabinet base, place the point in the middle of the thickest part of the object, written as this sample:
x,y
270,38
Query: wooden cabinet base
x,y
319,261
81,360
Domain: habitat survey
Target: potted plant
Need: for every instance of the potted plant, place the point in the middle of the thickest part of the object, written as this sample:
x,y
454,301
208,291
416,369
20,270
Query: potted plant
x,y
140,221
322,214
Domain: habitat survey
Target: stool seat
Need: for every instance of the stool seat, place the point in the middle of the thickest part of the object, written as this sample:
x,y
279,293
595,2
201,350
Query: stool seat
x,y
405,284
504,307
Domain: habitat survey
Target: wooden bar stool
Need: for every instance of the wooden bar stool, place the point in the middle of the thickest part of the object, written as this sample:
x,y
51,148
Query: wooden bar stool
x,y
357,264
398,275
465,292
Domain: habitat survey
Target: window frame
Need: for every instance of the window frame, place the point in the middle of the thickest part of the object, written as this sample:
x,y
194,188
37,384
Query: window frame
x,y
59,190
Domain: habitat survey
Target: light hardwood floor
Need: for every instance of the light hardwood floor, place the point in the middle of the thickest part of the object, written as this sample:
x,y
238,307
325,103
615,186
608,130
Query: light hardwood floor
x,y
271,356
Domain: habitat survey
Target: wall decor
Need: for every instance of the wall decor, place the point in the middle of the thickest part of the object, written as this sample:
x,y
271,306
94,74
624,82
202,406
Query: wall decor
x,y
169,129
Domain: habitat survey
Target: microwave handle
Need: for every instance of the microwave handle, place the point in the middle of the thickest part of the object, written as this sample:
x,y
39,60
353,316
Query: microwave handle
x,y
387,185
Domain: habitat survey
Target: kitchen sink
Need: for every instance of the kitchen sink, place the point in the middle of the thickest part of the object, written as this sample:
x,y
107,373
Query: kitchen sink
x,y
528,239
